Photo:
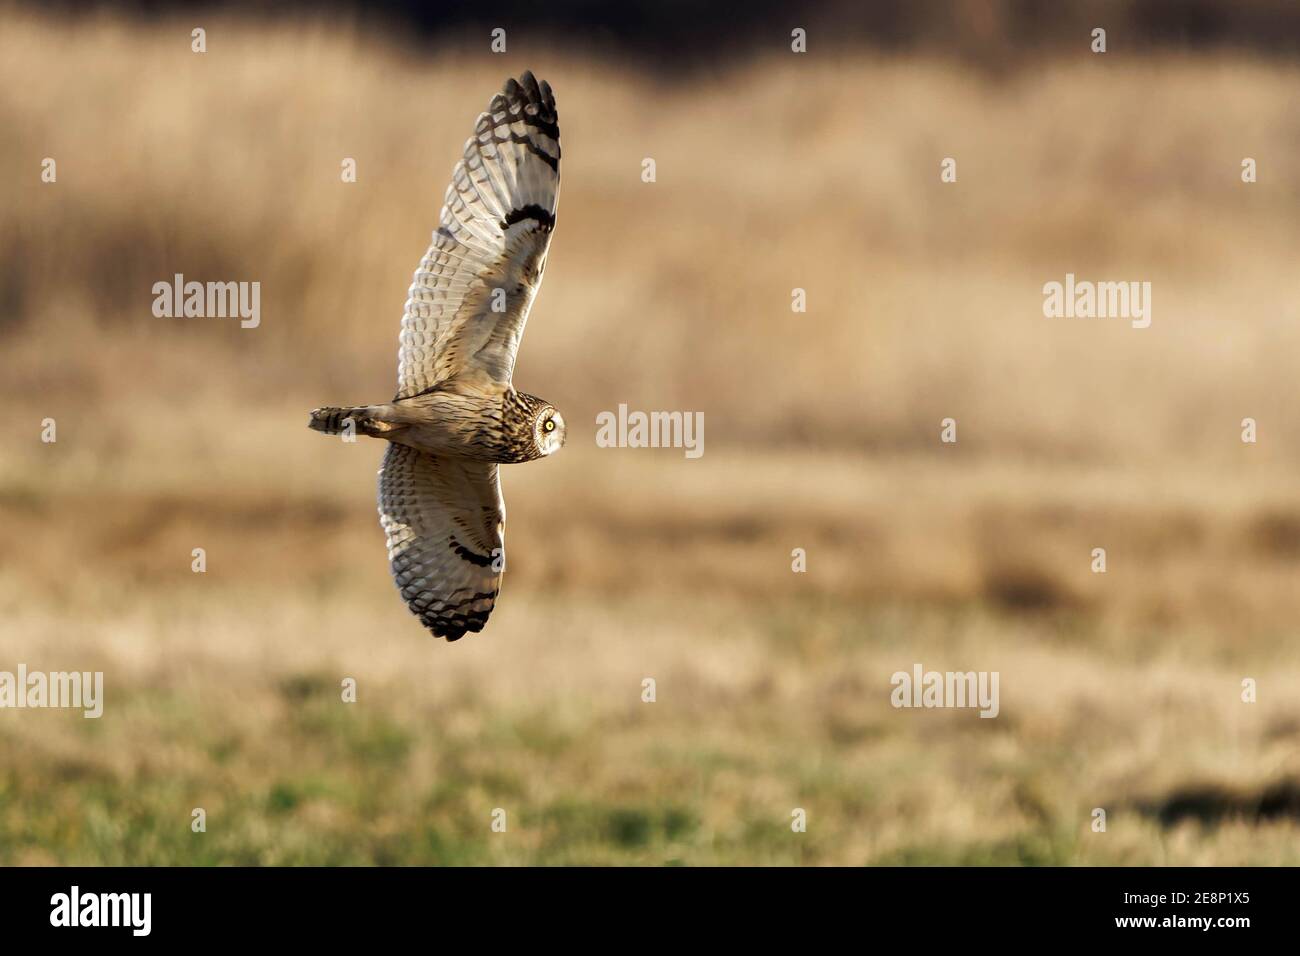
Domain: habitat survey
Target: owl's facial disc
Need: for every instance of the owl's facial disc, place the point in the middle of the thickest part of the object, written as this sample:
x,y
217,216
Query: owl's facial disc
x,y
549,431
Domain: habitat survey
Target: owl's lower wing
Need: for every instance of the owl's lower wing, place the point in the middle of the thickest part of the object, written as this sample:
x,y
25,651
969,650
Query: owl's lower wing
x,y
470,298
445,522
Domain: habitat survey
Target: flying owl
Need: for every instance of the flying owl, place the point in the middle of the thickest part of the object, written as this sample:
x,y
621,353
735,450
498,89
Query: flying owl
x,y
456,416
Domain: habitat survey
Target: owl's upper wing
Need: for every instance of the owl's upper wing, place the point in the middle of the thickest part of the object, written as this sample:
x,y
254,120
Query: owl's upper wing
x,y
445,521
495,228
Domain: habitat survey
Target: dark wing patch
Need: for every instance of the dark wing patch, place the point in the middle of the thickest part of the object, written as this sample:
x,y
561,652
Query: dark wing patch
x,y
445,521
496,224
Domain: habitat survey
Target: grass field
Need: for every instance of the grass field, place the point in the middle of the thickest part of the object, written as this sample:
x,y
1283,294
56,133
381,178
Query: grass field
x,y
1119,691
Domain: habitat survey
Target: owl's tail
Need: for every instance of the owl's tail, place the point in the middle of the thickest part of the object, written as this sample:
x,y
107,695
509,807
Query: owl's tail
x,y
363,420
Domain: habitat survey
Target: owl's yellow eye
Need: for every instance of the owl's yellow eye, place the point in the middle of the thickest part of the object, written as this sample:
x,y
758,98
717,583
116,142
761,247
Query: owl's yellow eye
x,y
550,425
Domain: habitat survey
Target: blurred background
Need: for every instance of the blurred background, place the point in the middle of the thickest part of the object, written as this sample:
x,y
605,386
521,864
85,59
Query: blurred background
x,y
775,171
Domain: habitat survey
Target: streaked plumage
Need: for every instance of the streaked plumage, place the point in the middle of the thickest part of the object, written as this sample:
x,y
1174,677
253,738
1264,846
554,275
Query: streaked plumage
x,y
456,414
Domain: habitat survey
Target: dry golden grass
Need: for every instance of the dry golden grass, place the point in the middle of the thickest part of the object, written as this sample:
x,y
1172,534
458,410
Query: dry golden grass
x,y
1118,690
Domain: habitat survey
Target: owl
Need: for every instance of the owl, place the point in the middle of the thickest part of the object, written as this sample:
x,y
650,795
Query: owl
x,y
456,416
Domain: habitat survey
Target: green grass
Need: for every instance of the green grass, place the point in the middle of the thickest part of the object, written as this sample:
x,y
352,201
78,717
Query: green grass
x,y
290,774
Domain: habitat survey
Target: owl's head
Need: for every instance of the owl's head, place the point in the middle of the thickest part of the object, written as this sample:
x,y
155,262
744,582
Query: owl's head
x,y
548,430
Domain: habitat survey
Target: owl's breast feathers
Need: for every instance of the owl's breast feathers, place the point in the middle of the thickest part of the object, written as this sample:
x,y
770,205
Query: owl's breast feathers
x,y
469,423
